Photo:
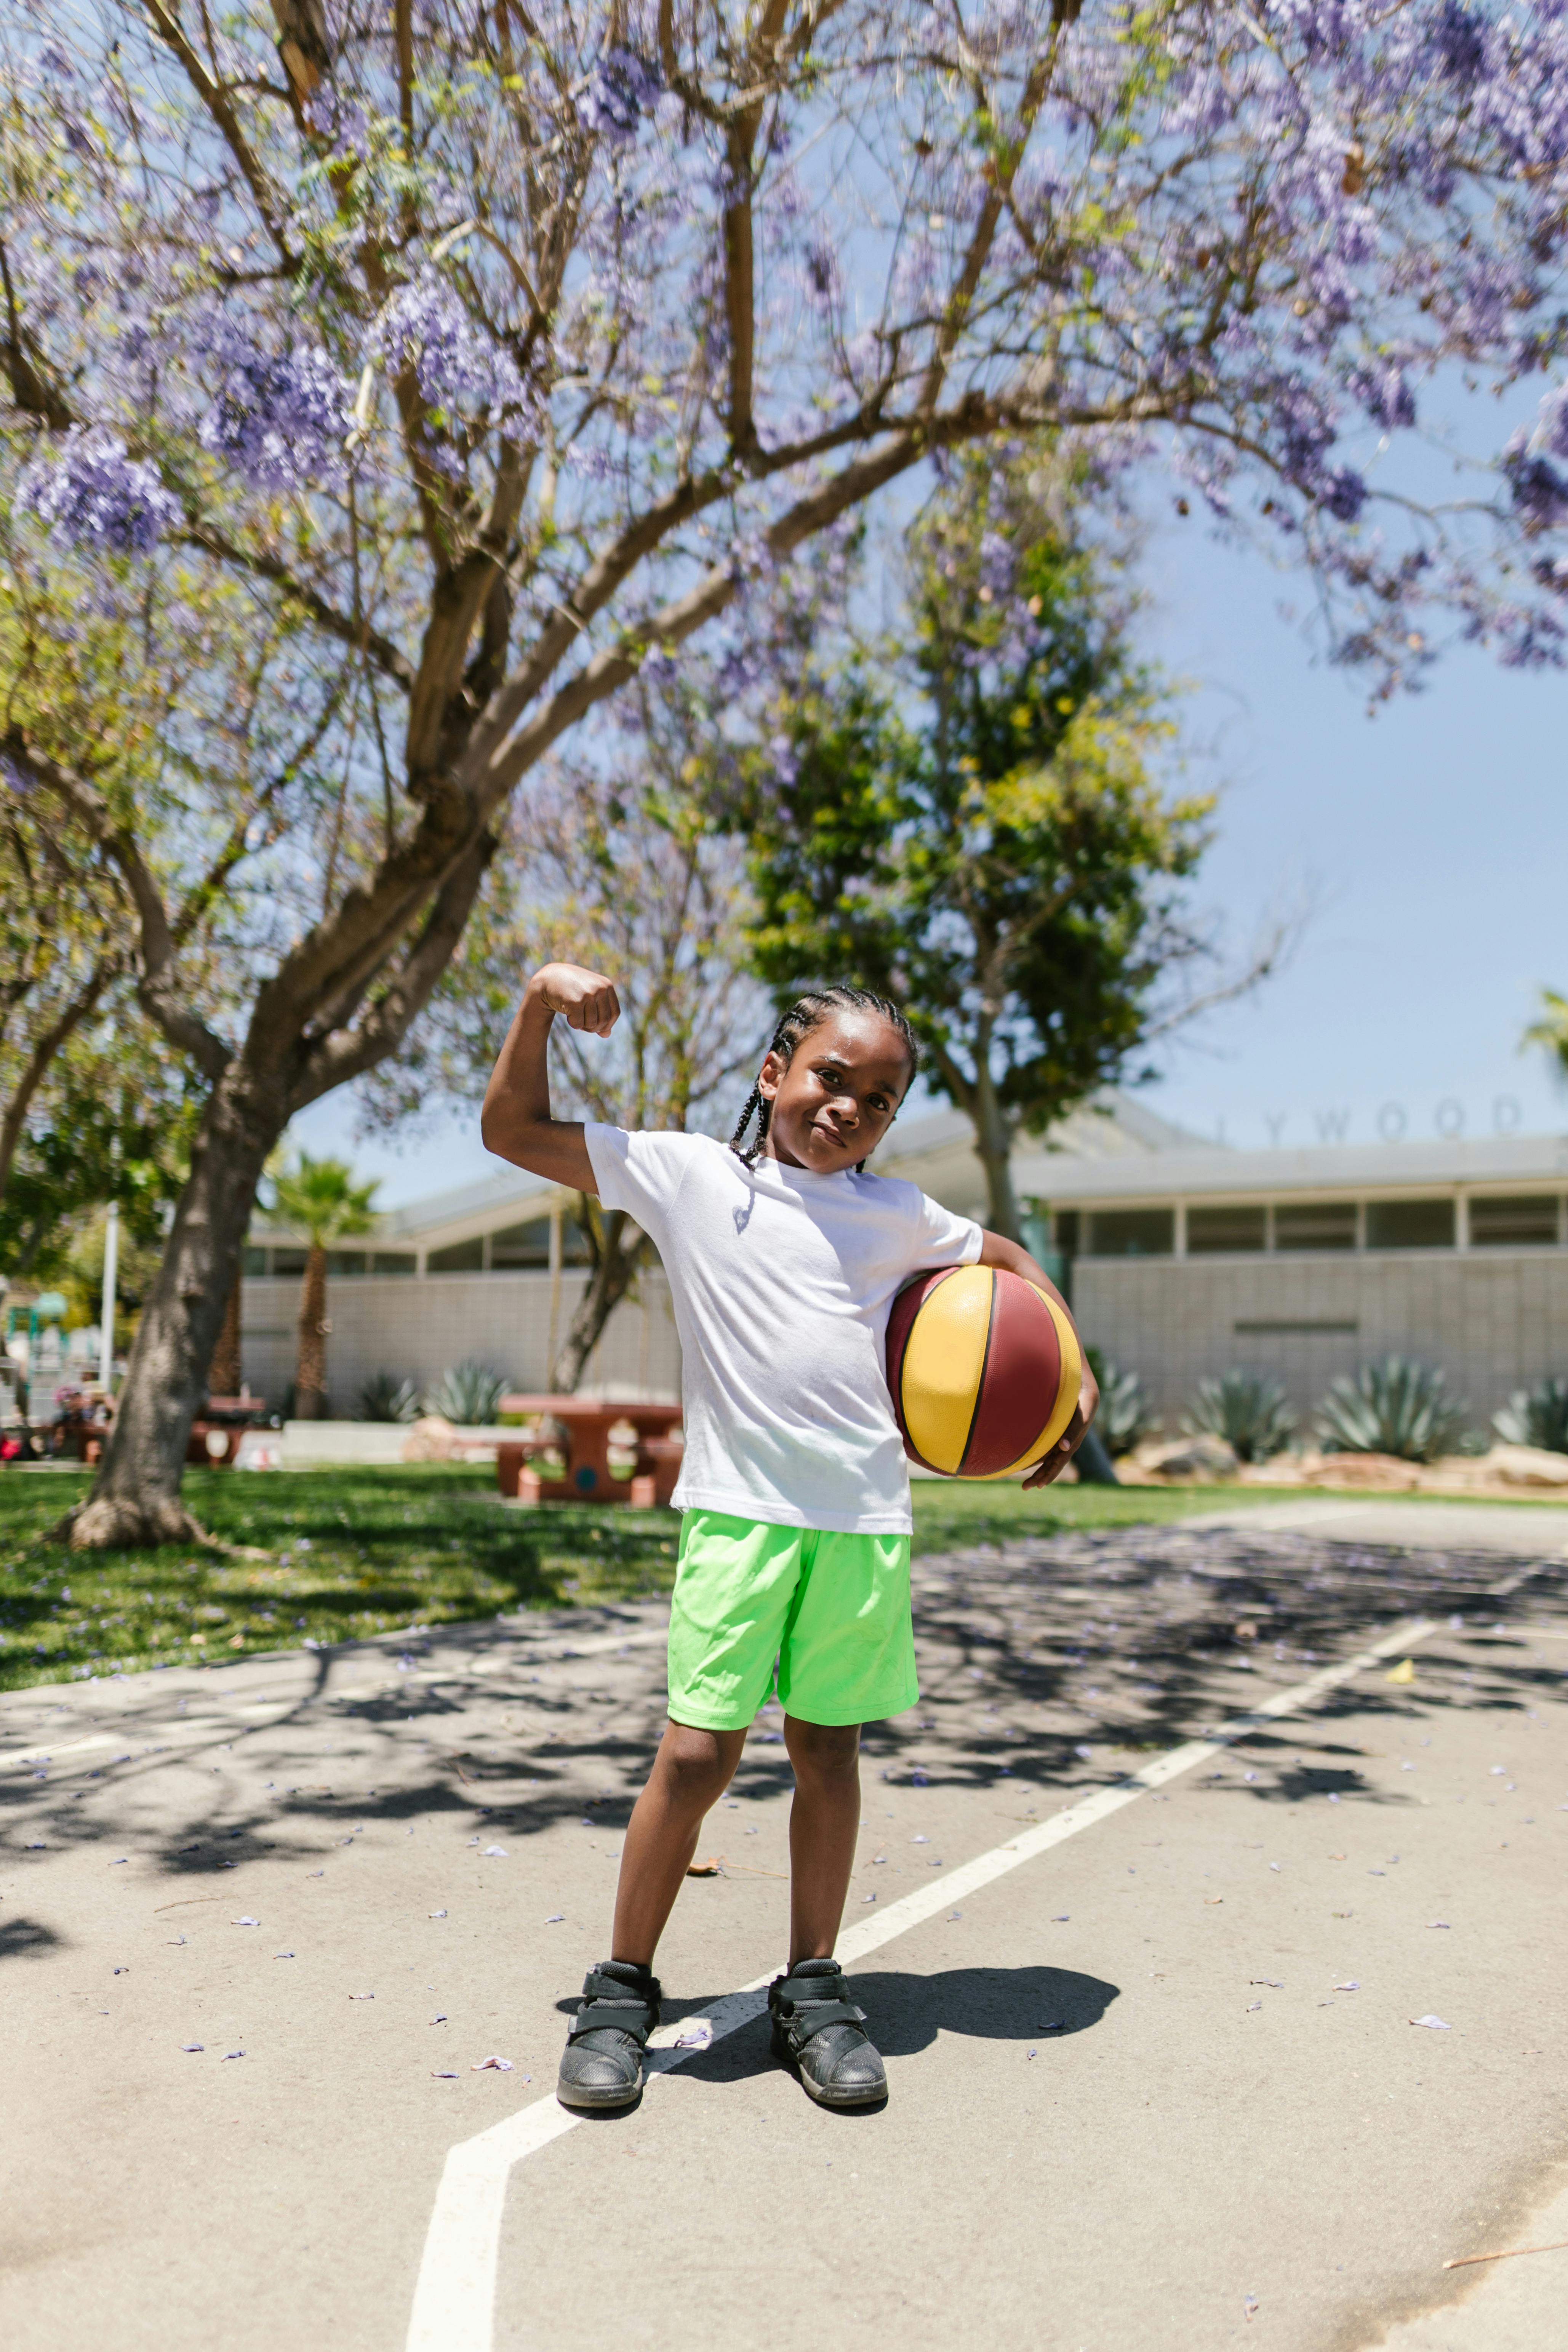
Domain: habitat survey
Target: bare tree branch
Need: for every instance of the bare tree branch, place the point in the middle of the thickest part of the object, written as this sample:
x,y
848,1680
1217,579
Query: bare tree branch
x,y
346,1053
157,972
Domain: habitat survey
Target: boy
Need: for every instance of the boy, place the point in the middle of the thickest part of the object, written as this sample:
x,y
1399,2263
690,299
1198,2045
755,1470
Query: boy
x,y
783,1259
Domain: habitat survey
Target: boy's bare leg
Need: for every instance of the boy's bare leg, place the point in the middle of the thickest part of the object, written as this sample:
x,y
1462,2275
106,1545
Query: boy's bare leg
x,y
823,1824
691,1773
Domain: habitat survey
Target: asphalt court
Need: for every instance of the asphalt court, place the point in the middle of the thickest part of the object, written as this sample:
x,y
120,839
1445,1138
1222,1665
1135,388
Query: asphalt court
x,y
1211,2140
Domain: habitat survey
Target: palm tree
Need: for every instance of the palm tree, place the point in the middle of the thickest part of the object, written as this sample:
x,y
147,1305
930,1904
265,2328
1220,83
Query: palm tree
x,y
320,1199
1551,1029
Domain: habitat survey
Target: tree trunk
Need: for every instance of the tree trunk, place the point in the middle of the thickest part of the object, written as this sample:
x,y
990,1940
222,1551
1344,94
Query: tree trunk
x,y
617,1259
993,1134
226,1374
310,1365
135,1498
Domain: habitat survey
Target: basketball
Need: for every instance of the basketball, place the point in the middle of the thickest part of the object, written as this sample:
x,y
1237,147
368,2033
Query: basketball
x,y
983,1370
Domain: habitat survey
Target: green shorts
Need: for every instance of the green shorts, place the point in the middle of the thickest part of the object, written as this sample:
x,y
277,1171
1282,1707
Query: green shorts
x,y
833,1612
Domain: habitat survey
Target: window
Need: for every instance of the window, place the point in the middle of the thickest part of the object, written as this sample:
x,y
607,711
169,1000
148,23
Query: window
x,y
392,1262
1067,1223
462,1257
1514,1222
255,1261
345,1261
289,1261
1410,1225
528,1245
1315,1225
1227,1228
1132,1233
522,1245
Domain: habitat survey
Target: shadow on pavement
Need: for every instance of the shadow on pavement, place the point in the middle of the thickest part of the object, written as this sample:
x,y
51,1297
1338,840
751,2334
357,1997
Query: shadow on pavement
x,y
906,2012
1045,1665
26,1939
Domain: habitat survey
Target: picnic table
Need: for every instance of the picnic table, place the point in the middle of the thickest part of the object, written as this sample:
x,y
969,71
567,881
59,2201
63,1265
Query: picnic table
x,y
218,1427
587,1422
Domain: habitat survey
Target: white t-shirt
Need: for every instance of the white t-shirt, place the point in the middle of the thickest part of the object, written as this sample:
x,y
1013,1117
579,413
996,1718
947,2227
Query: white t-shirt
x,y
782,1281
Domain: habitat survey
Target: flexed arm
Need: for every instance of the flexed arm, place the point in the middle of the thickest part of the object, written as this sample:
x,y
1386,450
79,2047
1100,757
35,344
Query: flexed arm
x,y
516,1123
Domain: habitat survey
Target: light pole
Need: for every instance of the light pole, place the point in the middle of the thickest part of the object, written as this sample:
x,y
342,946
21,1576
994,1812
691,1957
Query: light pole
x,y
106,1313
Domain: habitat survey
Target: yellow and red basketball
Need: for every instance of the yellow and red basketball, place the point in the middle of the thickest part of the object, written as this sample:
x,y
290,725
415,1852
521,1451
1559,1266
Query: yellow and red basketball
x,y
985,1370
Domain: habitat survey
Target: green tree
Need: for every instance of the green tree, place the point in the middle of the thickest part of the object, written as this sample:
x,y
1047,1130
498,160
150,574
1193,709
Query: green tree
x,y
115,1123
1551,1029
972,821
319,1200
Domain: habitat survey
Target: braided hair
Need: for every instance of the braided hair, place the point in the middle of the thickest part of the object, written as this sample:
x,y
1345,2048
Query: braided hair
x,y
806,1013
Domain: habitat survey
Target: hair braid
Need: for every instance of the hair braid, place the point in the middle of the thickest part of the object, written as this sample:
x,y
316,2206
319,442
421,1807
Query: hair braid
x,y
806,1013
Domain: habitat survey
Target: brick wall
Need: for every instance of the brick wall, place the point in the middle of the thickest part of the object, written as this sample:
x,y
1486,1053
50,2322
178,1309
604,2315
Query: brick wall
x,y
414,1326
1494,1320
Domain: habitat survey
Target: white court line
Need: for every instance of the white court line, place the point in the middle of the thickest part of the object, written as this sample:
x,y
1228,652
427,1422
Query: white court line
x,y
454,2298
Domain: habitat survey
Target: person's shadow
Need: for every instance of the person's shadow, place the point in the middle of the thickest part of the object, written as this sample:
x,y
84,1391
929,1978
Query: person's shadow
x,y
905,2014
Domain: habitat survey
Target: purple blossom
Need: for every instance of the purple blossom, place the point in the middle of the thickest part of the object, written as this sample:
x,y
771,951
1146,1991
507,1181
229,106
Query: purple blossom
x,y
1342,491
1551,428
1539,491
280,418
1459,39
1384,390
91,493
622,88
457,363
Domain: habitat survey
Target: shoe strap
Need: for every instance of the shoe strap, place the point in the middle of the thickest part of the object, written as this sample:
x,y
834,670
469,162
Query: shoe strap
x,y
610,2003
806,2004
801,2020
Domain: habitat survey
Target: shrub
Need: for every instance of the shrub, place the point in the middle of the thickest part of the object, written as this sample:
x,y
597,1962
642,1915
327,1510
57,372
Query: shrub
x,y
1123,1414
1396,1407
1247,1410
470,1393
1537,1416
386,1399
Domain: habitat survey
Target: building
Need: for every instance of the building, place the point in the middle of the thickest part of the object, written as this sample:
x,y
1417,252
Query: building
x,y
493,1271
1182,1259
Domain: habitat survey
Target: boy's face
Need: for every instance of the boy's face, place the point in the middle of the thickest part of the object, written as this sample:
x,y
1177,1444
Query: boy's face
x,y
835,1101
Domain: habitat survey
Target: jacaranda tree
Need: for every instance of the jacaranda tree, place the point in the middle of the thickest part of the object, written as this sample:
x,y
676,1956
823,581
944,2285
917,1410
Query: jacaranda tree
x,y
504,345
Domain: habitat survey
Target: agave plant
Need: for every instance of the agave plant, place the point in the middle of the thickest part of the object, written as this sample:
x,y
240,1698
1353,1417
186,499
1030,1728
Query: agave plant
x,y
1247,1410
470,1393
1397,1407
1123,1414
1537,1416
386,1399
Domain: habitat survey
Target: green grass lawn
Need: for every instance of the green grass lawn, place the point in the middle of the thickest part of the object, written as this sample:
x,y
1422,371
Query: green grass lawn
x,y
355,1551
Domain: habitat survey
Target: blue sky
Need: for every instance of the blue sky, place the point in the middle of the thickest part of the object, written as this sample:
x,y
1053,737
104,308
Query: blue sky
x,y
1431,841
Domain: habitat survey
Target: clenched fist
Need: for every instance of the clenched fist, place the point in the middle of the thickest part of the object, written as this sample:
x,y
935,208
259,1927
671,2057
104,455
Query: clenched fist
x,y
586,1000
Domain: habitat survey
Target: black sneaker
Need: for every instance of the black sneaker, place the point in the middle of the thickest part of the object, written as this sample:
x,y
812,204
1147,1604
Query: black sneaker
x,y
818,2030
601,2066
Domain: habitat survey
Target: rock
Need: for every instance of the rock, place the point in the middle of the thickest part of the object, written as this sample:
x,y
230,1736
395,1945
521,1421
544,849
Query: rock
x,y
1201,1457
1386,1472
1526,1465
430,1440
